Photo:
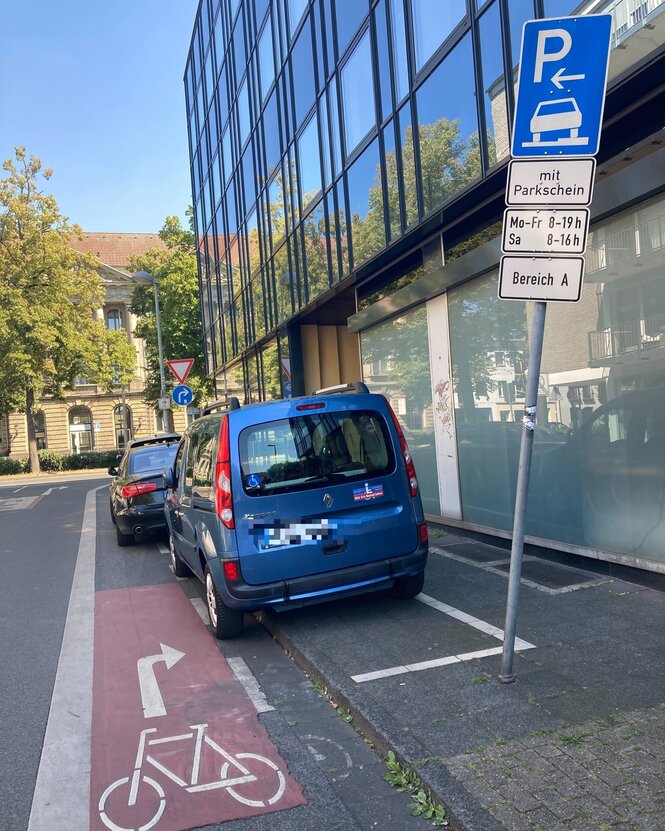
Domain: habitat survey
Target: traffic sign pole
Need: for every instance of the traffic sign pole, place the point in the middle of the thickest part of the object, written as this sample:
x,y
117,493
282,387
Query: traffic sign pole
x,y
558,113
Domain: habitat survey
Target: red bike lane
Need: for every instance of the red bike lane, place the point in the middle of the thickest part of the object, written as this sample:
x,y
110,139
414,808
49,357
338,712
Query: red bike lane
x,y
176,742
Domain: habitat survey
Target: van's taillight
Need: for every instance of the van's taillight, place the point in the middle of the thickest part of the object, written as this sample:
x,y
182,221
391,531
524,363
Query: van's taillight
x,y
138,489
422,532
410,468
231,571
223,495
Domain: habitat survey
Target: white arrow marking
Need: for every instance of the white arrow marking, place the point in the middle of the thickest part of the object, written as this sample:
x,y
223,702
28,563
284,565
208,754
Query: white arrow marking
x,y
59,488
559,76
151,697
23,487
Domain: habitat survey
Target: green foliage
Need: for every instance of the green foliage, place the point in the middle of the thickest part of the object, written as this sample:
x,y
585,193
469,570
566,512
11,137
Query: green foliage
x,y
50,460
407,781
53,462
179,301
9,467
48,297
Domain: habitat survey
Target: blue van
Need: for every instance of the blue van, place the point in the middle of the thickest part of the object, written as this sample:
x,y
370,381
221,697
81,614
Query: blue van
x,y
302,500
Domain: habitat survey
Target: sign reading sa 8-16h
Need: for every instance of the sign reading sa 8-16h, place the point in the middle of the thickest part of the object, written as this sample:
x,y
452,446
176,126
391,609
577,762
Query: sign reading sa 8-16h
x,y
561,90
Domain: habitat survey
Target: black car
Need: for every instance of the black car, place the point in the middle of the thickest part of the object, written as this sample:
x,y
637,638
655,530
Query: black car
x,y
137,490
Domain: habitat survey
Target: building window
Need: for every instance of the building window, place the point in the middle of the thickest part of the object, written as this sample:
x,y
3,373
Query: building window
x,y
122,422
433,21
357,97
40,430
309,171
114,319
80,429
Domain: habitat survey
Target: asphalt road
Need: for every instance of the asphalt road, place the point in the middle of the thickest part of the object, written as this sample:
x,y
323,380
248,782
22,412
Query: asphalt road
x,y
340,777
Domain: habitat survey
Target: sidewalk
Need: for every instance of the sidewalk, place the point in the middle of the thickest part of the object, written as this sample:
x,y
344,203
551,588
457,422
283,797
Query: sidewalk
x,y
576,743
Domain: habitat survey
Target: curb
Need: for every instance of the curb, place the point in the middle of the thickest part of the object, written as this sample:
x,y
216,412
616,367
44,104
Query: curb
x,y
463,811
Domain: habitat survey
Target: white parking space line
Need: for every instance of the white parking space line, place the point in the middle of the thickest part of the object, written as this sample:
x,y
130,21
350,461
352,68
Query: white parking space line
x,y
22,488
163,549
200,607
463,617
62,798
244,674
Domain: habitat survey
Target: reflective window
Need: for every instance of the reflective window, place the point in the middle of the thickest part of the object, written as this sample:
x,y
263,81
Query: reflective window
x,y
303,74
358,98
519,11
239,47
494,98
316,254
399,49
283,281
366,205
266,59
560,8
243,112
448,128
410,195
226,152
383,58
392,181
395,362
253,242
249,187
348,16
334,127
271,133
260,7
276,208
433,21
296,10
309,167
114,319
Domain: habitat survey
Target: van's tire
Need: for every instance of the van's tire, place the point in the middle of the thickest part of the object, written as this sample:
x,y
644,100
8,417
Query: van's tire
x,y
226,622
178,568
408,587
123,539
112,513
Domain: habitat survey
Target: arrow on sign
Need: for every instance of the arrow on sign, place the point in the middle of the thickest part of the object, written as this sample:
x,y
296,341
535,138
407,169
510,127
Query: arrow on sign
x,y
151,697
181,368
558,77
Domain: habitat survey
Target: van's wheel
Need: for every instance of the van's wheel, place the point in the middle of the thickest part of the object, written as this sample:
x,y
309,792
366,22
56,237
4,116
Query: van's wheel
x,y
408,587
112,512
123,539
226,622
178,568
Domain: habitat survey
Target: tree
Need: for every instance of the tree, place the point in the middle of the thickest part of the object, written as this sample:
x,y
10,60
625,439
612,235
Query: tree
x,y
179,303
49,294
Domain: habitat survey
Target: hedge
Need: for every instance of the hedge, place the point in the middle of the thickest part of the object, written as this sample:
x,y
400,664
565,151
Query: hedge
x,y
50,461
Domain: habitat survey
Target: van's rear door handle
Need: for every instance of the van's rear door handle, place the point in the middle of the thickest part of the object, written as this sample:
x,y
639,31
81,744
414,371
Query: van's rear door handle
x,y
335,548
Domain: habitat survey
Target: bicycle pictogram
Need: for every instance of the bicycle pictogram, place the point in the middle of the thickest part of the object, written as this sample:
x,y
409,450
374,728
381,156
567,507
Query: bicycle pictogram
x,y
234,773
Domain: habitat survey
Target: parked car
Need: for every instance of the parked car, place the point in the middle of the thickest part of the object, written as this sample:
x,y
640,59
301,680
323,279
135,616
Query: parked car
x,y
297,501
137,490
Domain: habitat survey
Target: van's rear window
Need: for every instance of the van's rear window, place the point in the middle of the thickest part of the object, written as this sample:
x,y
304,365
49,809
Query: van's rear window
x,y
314,450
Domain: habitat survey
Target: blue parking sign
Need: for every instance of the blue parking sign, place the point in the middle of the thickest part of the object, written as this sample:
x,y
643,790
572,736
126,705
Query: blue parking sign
x,y
561,89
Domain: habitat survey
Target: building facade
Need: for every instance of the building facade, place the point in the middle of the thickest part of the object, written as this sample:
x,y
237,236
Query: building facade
x,y
87,417
349,164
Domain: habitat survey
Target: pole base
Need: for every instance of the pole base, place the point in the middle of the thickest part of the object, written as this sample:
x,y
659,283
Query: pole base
x,y
505,679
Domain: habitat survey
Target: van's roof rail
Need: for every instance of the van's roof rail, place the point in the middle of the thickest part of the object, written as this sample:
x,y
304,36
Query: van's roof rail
x,y
231,403
353,386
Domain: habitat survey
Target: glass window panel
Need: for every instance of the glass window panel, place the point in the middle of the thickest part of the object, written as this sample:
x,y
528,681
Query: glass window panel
x,y
253,242
410,190
296,10
284,367
260,7
342,230
231,209
271,133
316,252
248,179
309,170
234,7
358,98
395,362
318,48
334,127
399,49
241,329
448,128
266,59
325,143
303,74
243,113
239,47
519,11
223,94
383,58
297,271
331,244
494,98
433,21
283,284
348,16
257,299
209,73
392,181
328,24
276,208
366,205
217,188
226,152
560,8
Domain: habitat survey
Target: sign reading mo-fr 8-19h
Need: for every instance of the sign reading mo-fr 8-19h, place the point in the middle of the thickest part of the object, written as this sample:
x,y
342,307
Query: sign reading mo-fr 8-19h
x,y
561,91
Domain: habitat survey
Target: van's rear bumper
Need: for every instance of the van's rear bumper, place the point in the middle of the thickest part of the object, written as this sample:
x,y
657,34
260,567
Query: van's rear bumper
x,y
318,587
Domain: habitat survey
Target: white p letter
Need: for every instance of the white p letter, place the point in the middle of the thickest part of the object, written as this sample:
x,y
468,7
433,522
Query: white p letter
x,y
542,56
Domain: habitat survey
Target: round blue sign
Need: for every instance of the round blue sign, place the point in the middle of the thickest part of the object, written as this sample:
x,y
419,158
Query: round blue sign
x,y
253,480
182,395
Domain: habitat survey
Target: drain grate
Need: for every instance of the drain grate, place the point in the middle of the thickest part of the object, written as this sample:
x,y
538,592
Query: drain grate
x,y
478,552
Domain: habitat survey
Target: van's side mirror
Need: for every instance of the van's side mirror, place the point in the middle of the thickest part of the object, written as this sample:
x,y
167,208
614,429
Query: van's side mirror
x,y
169,478
112,471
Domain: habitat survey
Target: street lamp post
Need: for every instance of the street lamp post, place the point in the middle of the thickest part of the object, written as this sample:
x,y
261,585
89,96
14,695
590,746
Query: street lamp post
x,y
145,277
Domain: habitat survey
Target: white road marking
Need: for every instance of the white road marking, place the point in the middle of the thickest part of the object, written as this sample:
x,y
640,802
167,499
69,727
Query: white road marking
x,y
163,549
19,503
22,488
151,696
200,606
463,617
244,674
62,792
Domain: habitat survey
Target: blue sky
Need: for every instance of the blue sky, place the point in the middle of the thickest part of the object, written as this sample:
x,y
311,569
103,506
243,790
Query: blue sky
x,y
94,88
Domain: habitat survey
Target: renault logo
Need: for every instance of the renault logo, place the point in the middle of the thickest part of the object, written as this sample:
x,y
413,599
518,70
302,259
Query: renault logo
x,y
327,500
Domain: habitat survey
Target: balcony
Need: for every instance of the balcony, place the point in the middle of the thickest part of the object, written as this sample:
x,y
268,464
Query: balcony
x,y
643,242
628,16
633,339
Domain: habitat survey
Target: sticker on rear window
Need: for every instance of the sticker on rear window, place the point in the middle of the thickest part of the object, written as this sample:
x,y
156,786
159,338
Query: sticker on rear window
x,y
253,480
281,533
367,493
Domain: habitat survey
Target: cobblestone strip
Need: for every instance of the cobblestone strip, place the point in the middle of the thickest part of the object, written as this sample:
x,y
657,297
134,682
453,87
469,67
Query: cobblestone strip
x,y
604,775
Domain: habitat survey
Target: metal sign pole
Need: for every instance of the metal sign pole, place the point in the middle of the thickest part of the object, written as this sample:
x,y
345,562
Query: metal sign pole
x,y
523,472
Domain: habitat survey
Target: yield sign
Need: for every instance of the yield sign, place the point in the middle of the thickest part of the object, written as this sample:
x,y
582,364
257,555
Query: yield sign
x,y
181,368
